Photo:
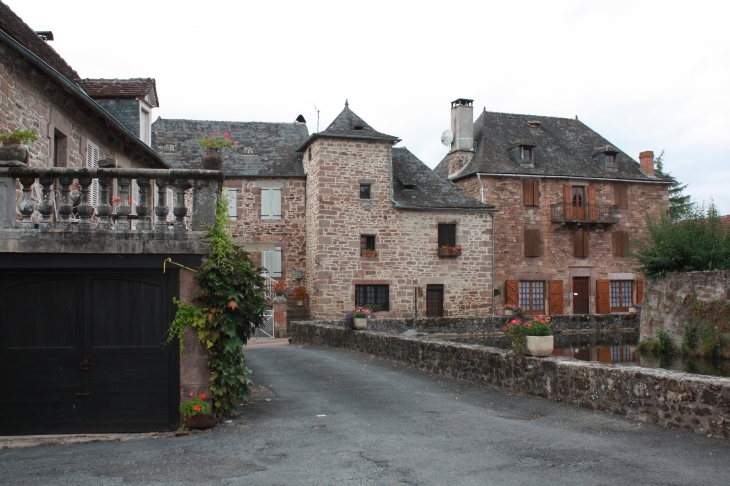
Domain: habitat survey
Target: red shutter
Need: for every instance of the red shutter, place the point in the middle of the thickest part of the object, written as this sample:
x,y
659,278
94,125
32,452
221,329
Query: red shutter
x,y
603,297
512,292
556,297
639,291
592,210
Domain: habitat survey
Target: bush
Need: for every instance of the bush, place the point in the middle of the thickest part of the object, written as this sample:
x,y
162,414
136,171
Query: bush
x,y
663,346
712,341
689,340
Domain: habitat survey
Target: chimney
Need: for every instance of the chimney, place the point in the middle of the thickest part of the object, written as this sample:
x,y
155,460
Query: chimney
x,y
646,161
462,124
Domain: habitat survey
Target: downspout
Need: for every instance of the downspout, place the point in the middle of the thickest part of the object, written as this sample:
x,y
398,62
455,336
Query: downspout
x,y
481,194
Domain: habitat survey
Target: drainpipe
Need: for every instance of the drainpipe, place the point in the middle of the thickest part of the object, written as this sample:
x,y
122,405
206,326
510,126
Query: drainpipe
x,y
481,194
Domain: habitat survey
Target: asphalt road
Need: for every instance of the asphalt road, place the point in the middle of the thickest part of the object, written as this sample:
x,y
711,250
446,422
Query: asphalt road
x,y
332,417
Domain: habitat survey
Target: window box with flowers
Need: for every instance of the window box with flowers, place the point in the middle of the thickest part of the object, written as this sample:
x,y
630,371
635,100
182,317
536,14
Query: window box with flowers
x,y
449,251
369,254
513,310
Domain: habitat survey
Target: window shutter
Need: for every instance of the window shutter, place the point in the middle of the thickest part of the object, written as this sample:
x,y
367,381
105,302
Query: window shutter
x,y
620,243
276,264
603,297
621,196
536,193
580,244
276,203
592,210
567,195
265,203
92,162
556,296
615,239
266,263
639,291
528,193
624,242
512,292
532,242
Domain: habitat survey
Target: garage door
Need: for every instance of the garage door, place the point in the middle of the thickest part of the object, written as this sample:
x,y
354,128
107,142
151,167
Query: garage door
x,y
82,352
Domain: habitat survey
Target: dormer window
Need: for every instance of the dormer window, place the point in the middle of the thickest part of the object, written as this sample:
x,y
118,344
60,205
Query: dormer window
x,y
606,156
409,187
358,127
610,161
525,154
248,151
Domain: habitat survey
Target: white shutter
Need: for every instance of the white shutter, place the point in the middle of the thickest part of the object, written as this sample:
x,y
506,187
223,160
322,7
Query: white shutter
x,y
170,204
135,201
266,258
265,203
276,271
92,162
276,203
230,195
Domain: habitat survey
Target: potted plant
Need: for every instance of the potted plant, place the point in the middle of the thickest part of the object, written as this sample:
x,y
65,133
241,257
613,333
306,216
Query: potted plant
x,y
449,251
300,294
16,136
368,253
533,337
356,318
212,159
513,310
280,287
634,308
12,153
196,412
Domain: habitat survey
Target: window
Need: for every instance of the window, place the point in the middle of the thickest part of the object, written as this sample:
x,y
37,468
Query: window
x,y
532,243
447,235
367,242
611,161
530,193
526,154
621,196
144,125
372,294
230,194
578,196
271,203
620,243
60,149
622,293
92,162
580,243
532,297
364,191
409,187
271,261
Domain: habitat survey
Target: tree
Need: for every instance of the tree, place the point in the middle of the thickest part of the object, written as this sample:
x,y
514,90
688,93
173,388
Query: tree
x,y
680,205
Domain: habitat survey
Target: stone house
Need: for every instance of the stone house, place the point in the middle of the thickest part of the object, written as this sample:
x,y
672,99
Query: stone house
x,y
84,300
569,202
345,214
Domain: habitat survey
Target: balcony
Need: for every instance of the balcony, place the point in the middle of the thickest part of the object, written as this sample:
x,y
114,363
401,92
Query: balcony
x,y
586,214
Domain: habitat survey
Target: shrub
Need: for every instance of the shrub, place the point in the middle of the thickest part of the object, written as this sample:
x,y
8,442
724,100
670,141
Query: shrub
x,y
689,340
712,341
663,346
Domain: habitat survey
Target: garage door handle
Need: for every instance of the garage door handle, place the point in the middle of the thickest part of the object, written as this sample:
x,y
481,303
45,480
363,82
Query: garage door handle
x,y
82,394
85,365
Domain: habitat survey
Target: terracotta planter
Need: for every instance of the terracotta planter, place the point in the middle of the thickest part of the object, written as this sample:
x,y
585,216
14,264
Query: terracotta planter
x,y
12,142
449,252
540,345
509,312
368,255
212,160
359,323
201,422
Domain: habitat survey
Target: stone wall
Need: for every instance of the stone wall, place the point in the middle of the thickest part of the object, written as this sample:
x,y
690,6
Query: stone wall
x,y
477,325
556,260
676,400
405,240
668,301
194,372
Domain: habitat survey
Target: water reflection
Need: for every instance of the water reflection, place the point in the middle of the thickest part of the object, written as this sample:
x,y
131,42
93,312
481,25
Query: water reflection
x,y
609,347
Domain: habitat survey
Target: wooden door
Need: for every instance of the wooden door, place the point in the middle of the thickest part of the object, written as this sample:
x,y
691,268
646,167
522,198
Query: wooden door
x,y
581,295
435,301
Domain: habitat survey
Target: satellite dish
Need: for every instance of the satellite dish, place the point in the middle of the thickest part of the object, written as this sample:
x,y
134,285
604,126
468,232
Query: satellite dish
x,y
447,137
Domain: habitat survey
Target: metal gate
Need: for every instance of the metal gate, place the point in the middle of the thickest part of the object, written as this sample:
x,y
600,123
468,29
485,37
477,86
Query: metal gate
x,y
267,328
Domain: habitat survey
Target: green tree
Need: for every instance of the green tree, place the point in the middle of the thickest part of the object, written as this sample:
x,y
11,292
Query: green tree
x,y
680,204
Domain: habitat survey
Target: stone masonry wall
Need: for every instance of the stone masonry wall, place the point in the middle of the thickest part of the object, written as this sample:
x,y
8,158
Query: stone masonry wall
x,y
255,234
700,404
405,240
29,101
556,260
668,301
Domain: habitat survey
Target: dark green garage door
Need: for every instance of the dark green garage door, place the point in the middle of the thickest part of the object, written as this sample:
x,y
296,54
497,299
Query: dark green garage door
x,y
82,352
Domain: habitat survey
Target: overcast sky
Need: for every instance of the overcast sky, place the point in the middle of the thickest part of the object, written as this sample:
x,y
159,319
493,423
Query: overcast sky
x,y
647,75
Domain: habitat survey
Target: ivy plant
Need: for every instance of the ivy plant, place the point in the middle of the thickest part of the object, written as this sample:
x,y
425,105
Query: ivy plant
x,y
231,305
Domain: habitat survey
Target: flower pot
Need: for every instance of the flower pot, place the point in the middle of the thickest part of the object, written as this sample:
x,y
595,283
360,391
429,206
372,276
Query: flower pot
x,y
633,310
359,323
540,345
449,252
212,160
509,312
368,255
12,142
201,422
300,302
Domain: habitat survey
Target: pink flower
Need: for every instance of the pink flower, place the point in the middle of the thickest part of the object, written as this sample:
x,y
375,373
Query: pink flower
x,y
192,394
215,134
504,328
202,134
226,135
10,127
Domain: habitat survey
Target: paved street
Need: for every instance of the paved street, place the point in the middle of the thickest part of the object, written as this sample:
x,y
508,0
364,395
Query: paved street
x,y
326,416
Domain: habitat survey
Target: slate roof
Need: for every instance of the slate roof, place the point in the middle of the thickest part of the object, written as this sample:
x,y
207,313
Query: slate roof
x,y
431,191
349,125
563,147
264,149
120,88
25,36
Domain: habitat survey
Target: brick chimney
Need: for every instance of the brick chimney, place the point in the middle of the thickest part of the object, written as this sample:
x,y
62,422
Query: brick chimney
x,y
646,161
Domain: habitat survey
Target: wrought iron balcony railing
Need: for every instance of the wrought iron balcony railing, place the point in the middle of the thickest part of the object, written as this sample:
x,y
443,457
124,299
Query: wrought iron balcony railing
x,y
587,213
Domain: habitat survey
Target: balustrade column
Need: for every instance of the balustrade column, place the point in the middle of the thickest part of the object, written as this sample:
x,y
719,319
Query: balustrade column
x,y
104,209
180,210
143,208
123,209
46,205
85,208
161,209
65,205
26,206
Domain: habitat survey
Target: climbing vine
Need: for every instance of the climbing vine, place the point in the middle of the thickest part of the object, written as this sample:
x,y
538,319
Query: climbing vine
x,y
231,305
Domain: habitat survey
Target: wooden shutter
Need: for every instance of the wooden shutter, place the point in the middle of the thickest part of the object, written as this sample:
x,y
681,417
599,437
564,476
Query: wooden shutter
x,y
567,197
621,196
603,297
265,203
530,193
624,242
512,292
92,162
532,242
620,243
580,244
592,210
276,203
639,291
556,297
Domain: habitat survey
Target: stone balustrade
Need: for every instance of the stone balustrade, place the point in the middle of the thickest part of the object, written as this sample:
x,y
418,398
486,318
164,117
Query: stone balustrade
x,y
80,200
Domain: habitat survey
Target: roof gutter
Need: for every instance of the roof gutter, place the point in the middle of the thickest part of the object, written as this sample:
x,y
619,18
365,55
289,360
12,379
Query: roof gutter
x,y
75,90
533,176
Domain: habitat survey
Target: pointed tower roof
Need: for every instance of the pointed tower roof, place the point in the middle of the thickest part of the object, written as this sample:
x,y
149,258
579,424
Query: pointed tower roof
x,y
349,125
